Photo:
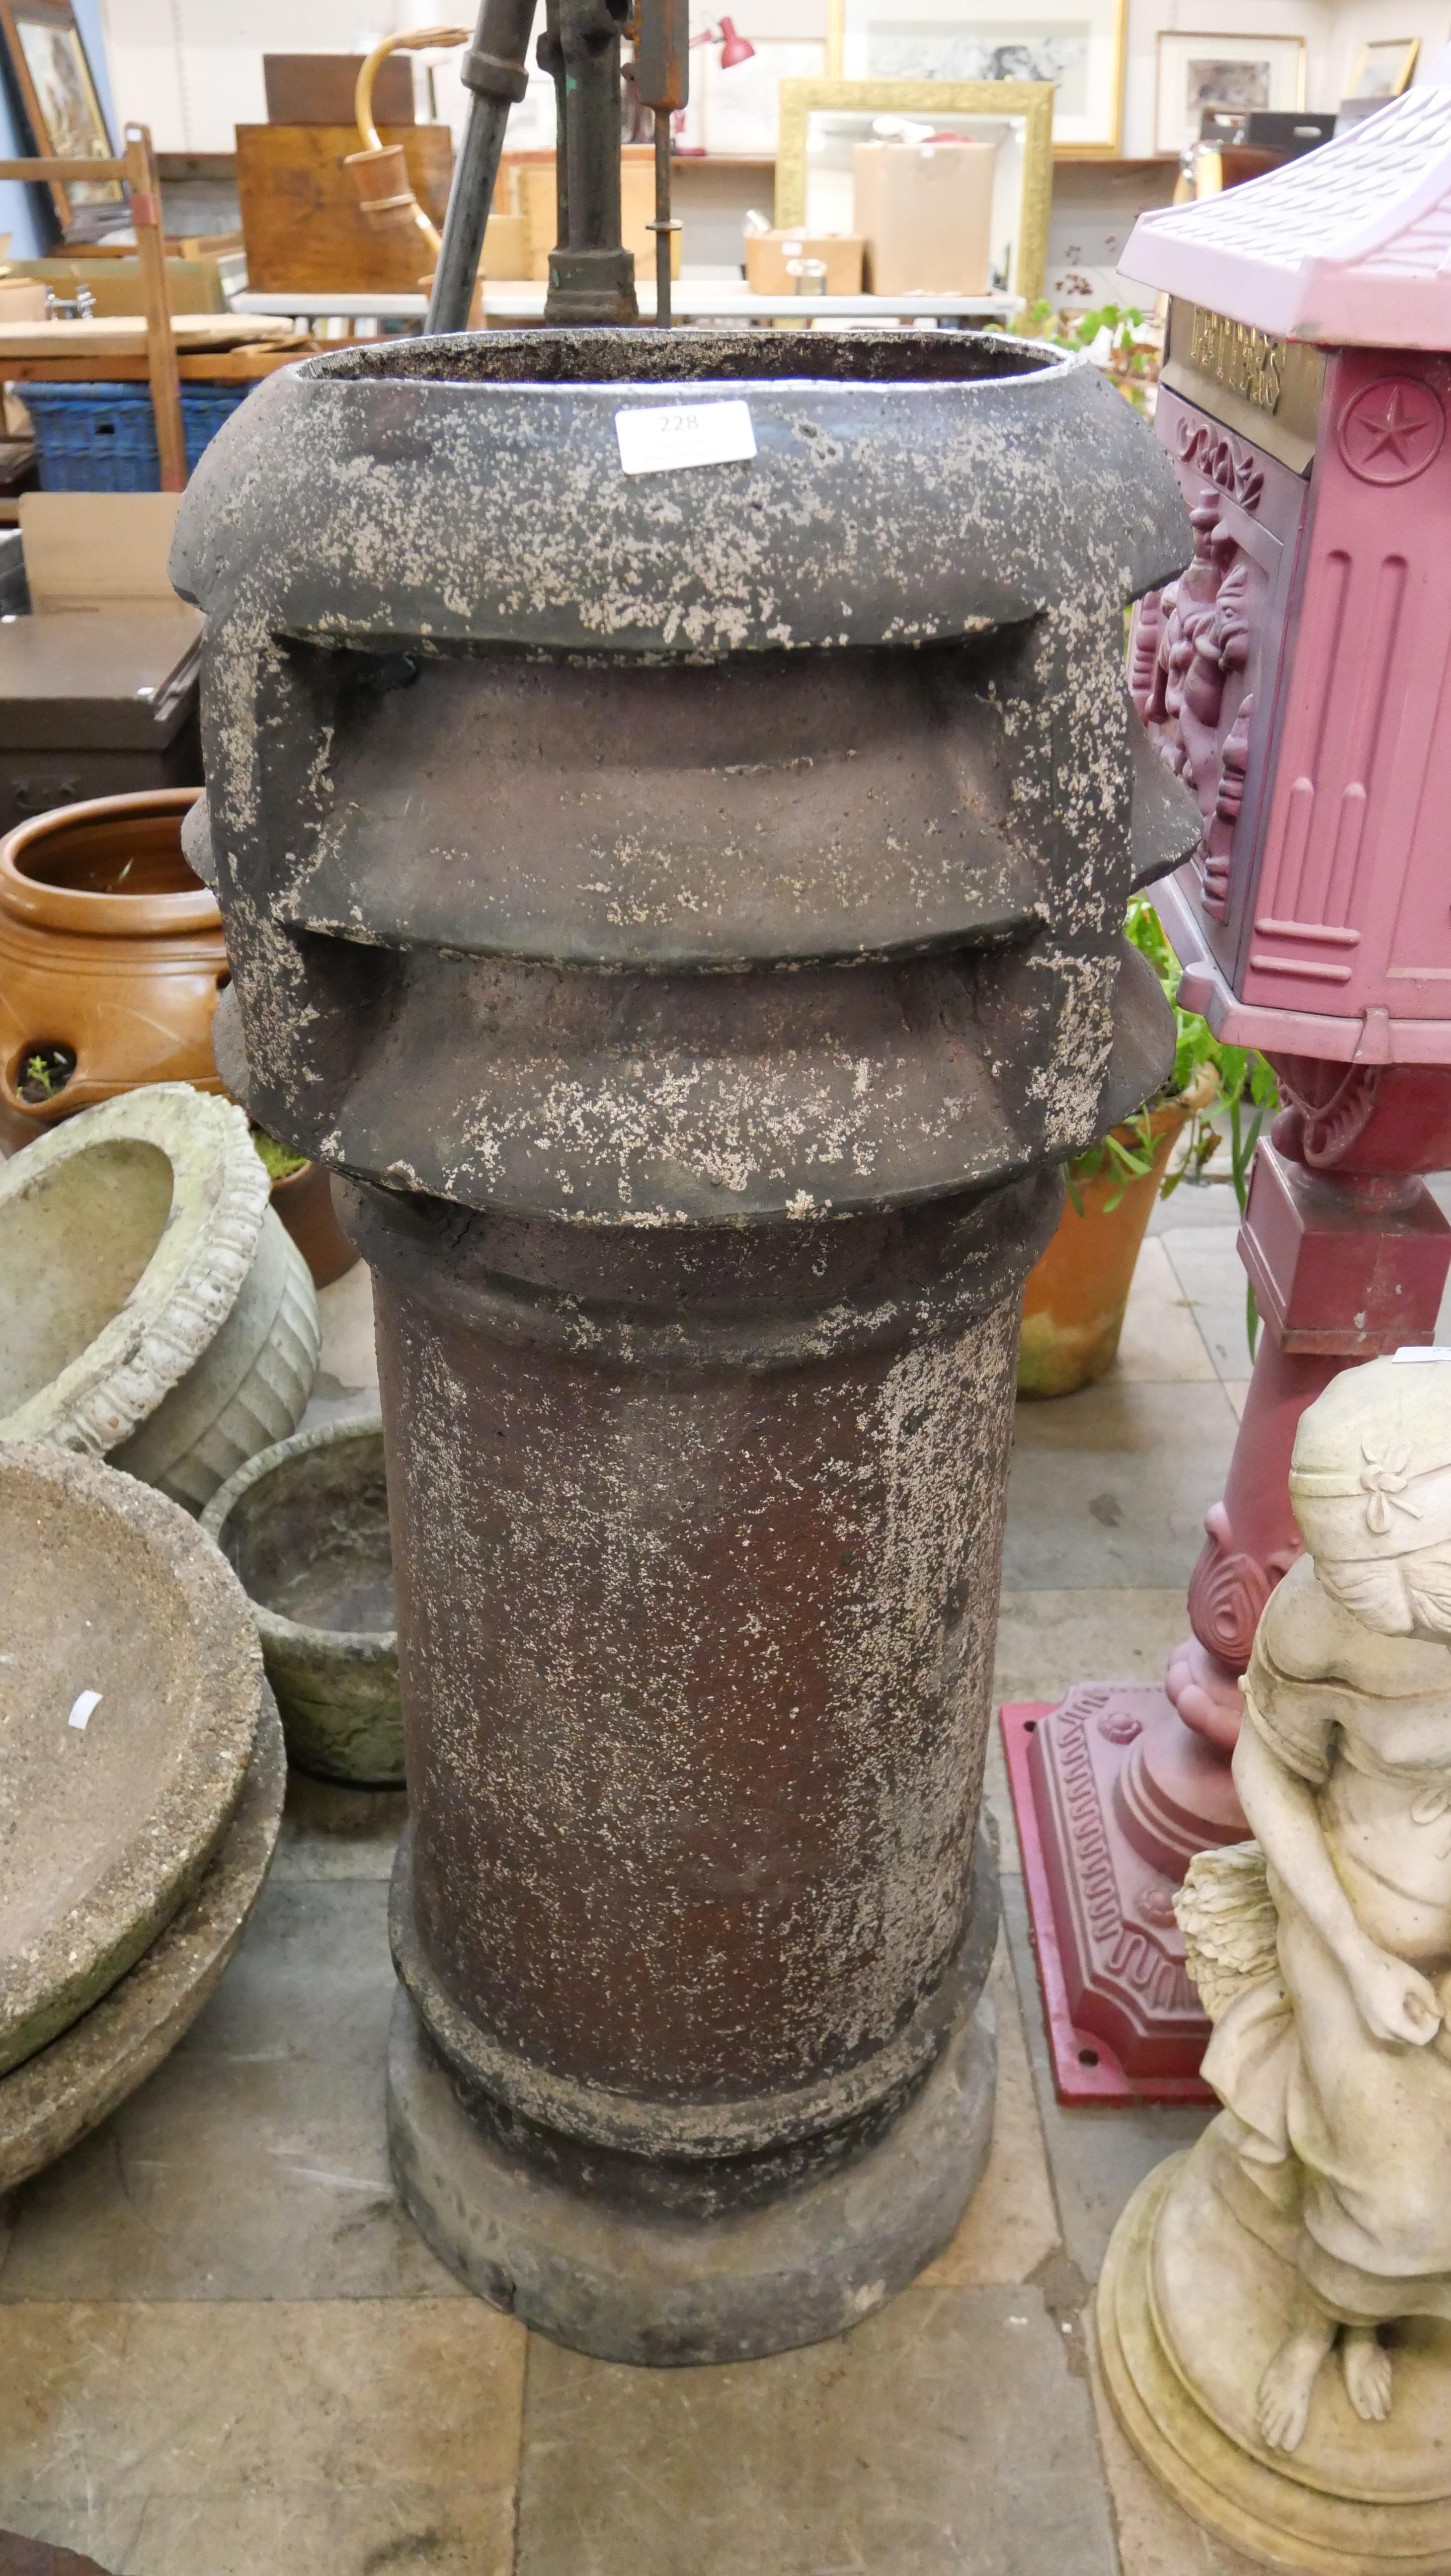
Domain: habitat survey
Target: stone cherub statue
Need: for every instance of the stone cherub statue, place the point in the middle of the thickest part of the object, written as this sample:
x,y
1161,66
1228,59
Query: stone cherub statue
x,y
1314,2216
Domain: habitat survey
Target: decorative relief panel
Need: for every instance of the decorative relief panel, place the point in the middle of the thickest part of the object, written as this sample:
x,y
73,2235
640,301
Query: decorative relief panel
x,y
1195,651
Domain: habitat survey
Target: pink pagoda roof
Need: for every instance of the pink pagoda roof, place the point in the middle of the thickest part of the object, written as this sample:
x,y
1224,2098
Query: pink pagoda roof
x,y
1350,245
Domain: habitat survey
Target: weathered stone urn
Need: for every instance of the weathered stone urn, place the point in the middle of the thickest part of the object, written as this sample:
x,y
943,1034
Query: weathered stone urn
x,y
687,906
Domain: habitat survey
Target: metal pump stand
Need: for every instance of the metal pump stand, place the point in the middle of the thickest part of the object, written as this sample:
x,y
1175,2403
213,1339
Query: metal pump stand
x,y
591,274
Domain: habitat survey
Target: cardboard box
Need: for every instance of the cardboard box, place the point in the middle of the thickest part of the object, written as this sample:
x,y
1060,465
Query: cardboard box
x,y
539,206
925,211
192,285
22,299
506,247
101,549
769,257
98,686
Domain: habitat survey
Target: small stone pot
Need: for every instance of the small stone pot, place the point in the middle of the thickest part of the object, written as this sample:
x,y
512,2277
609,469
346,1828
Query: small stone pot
x,y
109,947
305,1526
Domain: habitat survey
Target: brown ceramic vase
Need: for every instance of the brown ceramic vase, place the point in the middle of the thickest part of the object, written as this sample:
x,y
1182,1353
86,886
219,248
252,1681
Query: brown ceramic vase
x,y
110,948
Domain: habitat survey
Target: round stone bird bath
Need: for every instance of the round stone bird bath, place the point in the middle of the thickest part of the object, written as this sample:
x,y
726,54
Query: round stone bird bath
x,y
686,905
140,1789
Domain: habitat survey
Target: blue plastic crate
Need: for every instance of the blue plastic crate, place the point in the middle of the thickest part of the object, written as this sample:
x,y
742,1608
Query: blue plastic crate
x,y
102,438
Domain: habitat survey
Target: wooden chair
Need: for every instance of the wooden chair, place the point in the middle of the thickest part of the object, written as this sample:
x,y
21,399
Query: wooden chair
x,y
137,170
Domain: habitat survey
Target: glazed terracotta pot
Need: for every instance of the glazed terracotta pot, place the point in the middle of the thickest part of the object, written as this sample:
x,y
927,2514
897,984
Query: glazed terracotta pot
x,y
1074,1300
110,948
304,1202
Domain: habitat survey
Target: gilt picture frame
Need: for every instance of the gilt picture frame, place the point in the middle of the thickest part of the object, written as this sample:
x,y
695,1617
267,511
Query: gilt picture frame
x,y
1080,46
46,55
1383,68
1025,105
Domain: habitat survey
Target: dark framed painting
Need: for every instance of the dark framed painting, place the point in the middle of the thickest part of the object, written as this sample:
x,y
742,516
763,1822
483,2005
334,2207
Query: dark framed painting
x,y
51,71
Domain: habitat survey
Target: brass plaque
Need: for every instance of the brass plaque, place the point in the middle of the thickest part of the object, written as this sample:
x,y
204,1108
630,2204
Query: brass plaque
x,y
1267,390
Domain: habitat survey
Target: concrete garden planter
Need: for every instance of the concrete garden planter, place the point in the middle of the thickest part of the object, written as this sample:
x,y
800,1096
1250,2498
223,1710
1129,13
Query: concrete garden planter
x,y
305,1526
111,951
156,1311
131,1687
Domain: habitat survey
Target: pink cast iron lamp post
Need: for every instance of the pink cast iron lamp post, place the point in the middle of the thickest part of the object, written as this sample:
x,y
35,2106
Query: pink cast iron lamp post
x,y
1298,676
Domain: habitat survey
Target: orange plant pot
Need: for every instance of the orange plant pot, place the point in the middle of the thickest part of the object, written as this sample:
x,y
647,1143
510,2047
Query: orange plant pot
x,y
109,946
304,1202
1074,1300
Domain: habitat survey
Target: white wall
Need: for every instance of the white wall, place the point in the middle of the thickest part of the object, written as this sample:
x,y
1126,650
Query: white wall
x,y
192,69
1361,22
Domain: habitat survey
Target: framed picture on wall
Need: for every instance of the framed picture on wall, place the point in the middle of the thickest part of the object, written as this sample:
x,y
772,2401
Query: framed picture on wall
x,y
50,68
1383,69
1239,72
1078,45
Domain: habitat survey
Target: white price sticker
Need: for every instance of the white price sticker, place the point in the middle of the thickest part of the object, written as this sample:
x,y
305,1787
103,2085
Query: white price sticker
x,y
1419,1354
669,434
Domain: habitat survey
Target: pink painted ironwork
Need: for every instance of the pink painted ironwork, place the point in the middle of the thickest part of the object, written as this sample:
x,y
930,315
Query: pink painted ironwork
x,y
1297,676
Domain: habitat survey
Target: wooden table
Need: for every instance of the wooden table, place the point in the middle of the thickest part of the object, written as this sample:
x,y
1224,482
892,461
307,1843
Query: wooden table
x,y
693,300
225,367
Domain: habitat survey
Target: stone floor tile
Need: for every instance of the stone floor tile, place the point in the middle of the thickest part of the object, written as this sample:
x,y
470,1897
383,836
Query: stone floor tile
x,y
330,1831
1155,2538
346,1308
952,2432
1196,1203
1047,1640
1161,1343
262,2439
1211,1274
254,2163
1010,2225
1110,1487
1096,2157
998,1801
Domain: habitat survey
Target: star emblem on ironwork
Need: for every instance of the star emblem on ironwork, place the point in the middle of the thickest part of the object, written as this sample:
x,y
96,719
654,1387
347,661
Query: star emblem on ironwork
x,y
1392,430
1395,433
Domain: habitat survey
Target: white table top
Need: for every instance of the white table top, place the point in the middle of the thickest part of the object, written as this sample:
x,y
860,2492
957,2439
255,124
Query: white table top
x,y
522,300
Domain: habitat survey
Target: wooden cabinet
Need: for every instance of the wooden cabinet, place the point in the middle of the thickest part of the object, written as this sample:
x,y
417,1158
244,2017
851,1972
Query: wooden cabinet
x,y
301,220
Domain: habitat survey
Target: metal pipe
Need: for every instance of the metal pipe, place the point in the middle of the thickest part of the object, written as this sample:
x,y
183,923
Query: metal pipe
x,y
664,227
495,69
662,77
